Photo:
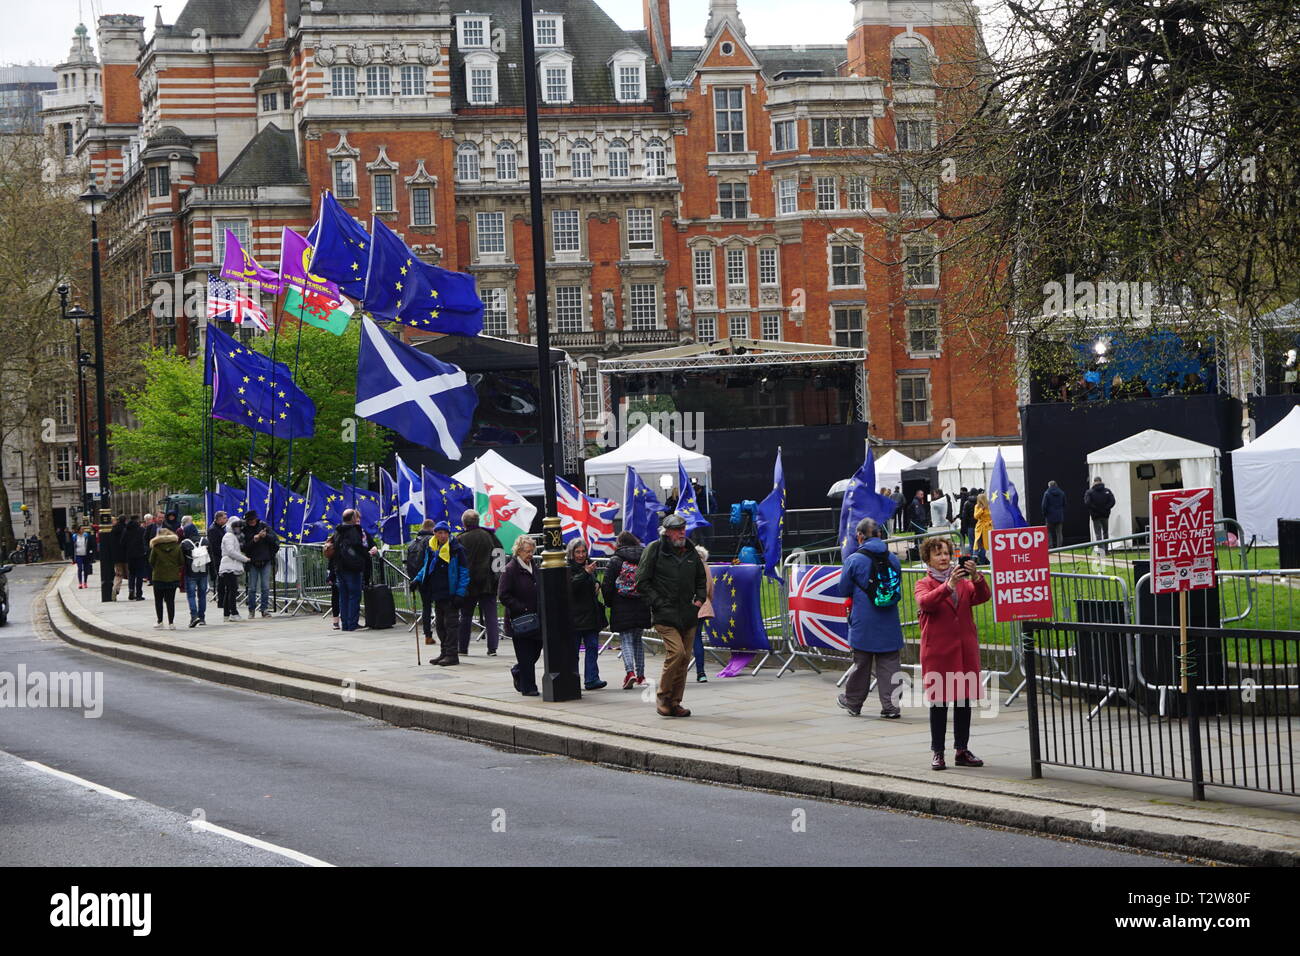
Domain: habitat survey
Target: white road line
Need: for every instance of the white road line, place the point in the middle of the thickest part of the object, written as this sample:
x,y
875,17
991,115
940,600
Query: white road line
x,y
80,781
260,844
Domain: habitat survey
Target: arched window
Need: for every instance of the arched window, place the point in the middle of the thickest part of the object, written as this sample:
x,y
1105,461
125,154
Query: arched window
x,y
656,159
507,162
467,163
546,151
619,167
580,159
911,60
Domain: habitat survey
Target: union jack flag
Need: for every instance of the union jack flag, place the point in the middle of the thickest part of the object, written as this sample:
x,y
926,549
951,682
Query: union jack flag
x,y
228,304
819,617
591,519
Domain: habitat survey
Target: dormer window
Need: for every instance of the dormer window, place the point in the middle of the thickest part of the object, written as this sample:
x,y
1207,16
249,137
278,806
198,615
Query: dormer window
x,y
627,72
548,30
481,79
473,32
556,77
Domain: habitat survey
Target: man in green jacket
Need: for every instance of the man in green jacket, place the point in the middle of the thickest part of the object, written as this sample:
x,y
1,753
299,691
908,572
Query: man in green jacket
x,y
671,577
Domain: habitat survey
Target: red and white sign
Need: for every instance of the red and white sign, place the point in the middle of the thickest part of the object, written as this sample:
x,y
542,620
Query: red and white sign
x,y
1022,578
92,479
1182,540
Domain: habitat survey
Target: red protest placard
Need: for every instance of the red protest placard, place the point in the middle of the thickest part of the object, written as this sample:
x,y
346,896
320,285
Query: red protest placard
x,y
1182,540
1022,581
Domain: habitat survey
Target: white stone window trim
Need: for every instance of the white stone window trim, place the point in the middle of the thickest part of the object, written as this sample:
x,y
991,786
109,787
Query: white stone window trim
x,y
848,239
484,24
921,240
555,60
481,60
628,58
937,351
557,20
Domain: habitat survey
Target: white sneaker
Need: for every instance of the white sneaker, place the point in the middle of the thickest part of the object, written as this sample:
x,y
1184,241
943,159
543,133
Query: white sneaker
x,y
171,627
158,626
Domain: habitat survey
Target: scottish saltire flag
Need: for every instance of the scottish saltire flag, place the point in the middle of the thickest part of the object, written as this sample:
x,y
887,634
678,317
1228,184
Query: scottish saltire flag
x,y
233,500
686,506
391,529
241,268
771,521
446,499
738,621
366,503
402,288
591,519
249,388
862,500
324,510
426,401
1004,500
410,495
341,248
819,617
226,303
640,507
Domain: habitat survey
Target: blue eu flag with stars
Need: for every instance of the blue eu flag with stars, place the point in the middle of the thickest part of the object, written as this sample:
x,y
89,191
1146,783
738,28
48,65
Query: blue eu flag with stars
x,y
686,506
445,499
771,521
737,623
324,510
640,508
862,500
1004,500
248,388
342,248
402,288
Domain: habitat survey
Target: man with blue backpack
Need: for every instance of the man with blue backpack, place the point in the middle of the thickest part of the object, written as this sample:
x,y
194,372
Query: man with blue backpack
x,y
872,578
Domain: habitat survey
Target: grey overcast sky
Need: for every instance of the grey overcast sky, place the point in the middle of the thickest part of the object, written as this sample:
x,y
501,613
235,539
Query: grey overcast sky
x,y
40,31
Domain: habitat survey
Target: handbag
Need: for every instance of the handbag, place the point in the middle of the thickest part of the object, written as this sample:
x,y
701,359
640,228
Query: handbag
x,y
526,624
706,609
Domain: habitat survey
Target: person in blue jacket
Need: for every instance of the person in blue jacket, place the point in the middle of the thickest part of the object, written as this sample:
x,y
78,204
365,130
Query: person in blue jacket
x,y
872,577
443,579
1054,514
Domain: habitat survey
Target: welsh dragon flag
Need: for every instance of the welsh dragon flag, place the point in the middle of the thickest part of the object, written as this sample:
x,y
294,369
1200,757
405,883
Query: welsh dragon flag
x,y
501,508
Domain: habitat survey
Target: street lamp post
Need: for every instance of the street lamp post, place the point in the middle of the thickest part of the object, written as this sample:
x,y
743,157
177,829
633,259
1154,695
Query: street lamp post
x,y
92,198
559,654
83,432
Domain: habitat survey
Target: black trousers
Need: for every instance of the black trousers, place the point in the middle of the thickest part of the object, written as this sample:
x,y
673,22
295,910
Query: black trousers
x,y
138,571
960,725
164,596
527,652
228,592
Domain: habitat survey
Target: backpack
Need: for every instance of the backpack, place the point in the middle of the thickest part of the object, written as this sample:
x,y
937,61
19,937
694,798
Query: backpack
x,y
352,557
884,583
414,559
625,583
199,556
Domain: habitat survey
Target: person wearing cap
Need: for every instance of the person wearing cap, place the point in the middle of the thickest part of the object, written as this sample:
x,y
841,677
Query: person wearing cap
x,y
444,580
673,579
232,565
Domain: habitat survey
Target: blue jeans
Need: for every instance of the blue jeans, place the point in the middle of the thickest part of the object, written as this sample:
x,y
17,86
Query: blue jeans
x,y
699,651
349,599
589,641
196,591
259,579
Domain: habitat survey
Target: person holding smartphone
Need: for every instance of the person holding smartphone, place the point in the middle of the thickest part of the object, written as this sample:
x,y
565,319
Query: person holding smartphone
x,y
950,652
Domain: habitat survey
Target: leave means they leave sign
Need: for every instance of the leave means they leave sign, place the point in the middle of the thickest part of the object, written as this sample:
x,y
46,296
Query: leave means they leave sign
x,y
1182,540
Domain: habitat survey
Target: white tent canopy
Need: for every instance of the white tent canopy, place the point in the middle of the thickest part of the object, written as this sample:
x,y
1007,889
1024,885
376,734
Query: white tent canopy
x,y
1178,463
977,467
888,468
1265,476
653,455
530,486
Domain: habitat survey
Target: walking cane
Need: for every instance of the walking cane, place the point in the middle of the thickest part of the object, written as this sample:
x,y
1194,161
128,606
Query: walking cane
x,y
417,647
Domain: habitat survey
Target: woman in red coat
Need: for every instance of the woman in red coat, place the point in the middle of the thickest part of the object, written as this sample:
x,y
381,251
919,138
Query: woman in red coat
x,y
950,650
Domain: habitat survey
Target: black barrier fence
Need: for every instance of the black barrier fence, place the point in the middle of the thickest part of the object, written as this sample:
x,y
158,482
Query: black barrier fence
x,y
1110,697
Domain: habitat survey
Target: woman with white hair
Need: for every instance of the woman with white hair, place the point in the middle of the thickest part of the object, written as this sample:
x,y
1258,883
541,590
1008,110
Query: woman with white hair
x,y
518,592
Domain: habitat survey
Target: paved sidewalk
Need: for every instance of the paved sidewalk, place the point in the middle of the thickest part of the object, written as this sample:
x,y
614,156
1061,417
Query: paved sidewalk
x,y
786,734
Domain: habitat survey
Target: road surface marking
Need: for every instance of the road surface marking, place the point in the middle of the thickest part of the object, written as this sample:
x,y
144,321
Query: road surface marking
x,y
80,781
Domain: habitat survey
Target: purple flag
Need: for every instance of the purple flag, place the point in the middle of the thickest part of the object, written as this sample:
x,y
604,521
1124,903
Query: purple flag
x,y
241,267
295,256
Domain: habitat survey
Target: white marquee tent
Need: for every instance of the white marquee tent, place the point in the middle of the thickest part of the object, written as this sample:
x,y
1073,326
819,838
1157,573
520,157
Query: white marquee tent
x,y
653,455
1265,476
977,467
1177,462
888,467
530,486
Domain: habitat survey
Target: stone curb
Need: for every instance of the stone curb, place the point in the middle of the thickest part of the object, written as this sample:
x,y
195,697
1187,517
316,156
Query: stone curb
x,y
1053,816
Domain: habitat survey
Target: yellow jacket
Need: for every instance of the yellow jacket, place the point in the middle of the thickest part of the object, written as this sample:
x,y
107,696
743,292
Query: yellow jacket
x,y
983,525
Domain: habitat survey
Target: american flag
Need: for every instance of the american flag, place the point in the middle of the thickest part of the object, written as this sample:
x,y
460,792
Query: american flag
x,y
591,519
819,617
228,304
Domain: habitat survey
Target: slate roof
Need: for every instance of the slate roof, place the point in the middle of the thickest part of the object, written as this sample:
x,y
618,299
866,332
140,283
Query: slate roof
x,y
269,159
773,59
215,17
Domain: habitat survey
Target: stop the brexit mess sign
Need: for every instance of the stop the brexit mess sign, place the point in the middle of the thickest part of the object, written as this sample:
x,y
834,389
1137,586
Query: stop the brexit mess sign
x,y
1182,540
1022,583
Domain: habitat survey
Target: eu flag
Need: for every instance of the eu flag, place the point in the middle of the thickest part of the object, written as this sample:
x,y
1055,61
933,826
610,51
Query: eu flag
x,y
686,506
1004,500
294,517
771,521
862,500
737,623
402,288
342,248
640,508
324,510
233,501
367,505
391,529
247,387
212,503
446,499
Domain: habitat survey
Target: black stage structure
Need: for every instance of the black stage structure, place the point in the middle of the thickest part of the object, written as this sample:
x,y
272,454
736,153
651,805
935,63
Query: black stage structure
x,y
745,398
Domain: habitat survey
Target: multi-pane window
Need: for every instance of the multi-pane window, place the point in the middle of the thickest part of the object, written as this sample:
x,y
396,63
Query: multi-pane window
x,y
913,399
62,409
580,160
832,133
855,189
482,84
473,31
546,152
737,274
237,226
345,179
826,193
421,206
63,464
656,160
847,328
913,134
566,235
738,326
507,163
382,191
729,119
491,233
412,80
733,200
772,326
787,196
629,84
495,316
568,308
703,268
921,266
467,163
269,102
785,135
923,329
767,274
161,251
619,167
640,229
846,264
160,183
643,311
546,31
917,199
286,99
708,328
68,141
555,84
591,397
343,81
379,81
